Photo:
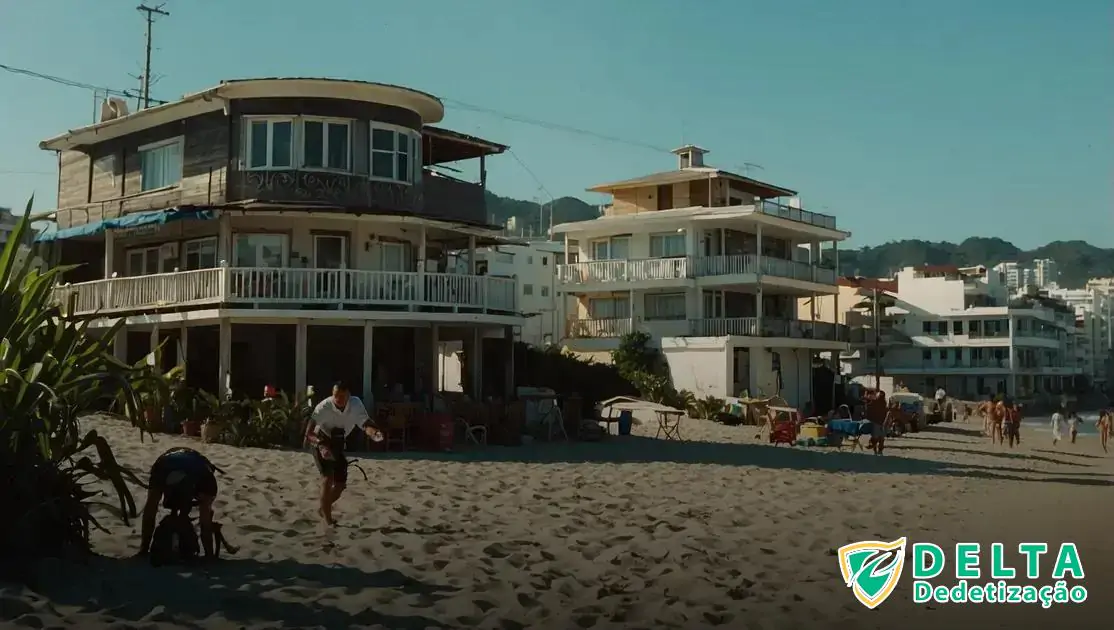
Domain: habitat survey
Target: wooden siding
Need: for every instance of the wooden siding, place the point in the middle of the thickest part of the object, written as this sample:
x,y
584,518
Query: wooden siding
x,y
106,183
337,108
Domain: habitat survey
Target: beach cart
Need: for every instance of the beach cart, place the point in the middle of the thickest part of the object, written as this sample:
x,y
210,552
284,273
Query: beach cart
x,y
785,423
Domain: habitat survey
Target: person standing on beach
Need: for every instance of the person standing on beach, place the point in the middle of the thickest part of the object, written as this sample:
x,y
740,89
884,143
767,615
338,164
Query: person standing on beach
x,y
1103,426
333,419
1013,424
1073,424
1059,427
997,417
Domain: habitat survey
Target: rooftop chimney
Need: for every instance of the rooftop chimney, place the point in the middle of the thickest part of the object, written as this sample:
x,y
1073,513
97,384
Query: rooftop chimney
x,y
690,156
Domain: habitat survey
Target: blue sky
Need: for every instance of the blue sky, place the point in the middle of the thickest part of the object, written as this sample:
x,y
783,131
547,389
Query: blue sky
x,y
936,120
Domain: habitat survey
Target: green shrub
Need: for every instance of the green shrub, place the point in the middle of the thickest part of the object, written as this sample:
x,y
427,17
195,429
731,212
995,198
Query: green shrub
x,y
53,370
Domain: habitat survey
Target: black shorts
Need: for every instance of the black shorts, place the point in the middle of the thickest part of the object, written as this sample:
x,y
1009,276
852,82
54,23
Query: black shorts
x,y
181,475
337,467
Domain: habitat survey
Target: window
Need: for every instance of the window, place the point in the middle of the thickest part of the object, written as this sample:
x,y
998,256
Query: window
x,y
395,154
667,245
325,144
957,327
668,306
270,143
944,354
160,164
527,289
199,254
261,250
926,355
545,260
926,328
615,248
545,291
609,308
144,261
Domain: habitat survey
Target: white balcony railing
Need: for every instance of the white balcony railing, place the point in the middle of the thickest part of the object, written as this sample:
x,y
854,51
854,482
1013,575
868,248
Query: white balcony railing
x,y
606,271
710,327
289,287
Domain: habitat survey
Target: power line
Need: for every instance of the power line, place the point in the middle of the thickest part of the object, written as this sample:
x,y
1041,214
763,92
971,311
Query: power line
x,y
150,18
71,83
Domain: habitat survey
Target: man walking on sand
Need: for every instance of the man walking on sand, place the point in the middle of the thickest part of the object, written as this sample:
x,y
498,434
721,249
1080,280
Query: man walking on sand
x,y
1059,427
333,419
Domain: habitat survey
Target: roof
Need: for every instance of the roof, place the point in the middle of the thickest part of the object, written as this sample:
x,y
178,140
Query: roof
x,y
427,106
693,213
761,189
859,282
441,145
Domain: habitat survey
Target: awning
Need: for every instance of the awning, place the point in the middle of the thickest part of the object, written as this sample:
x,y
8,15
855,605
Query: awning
x,y
136,219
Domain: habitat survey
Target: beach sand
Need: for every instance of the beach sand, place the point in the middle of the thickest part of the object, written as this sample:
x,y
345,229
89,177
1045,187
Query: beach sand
x,y
634,532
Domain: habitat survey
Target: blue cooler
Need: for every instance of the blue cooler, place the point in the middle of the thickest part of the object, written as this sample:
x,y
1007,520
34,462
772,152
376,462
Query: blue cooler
x,y
626,420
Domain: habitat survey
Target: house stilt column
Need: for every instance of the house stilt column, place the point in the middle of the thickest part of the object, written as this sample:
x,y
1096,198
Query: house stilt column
x,y
301,381
476,359
434,372
120,344
224,361
508,386
368,362
183,341
154,354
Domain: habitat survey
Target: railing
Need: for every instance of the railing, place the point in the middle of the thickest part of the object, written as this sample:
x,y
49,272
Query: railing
x,y
724,326
292,287
598,328
797,214
636,270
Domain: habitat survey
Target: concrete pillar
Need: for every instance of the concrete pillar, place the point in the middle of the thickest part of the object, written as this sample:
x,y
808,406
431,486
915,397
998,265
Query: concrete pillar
x,y
369,362
109,252
476,360
120,344
301,380
183,341
508,388
421,263
433,372
224,360
224,238
472,255
154,350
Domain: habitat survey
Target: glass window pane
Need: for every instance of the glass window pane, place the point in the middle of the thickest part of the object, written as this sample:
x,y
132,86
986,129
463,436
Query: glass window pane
x,y
258,144
338,146
151,261
244,251
383,164
383,139
403,143
313,144
620,248
282,134
403,167
135,263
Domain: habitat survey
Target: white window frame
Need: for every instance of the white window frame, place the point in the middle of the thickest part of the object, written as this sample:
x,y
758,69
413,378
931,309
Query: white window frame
x,y
146,251
594,305
669,236
414,153
651,314
610,240
178,141
196,241
249,121
285,248
300,136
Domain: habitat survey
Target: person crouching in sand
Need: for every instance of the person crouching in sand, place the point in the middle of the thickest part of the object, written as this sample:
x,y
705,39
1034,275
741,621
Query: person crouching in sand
x,y
333,419
1103,425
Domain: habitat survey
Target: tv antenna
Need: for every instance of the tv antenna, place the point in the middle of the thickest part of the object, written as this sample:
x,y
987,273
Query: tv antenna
x,y
150,12
749,165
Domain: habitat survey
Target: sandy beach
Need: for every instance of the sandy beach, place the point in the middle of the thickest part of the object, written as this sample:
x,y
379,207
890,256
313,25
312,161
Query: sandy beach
x,y
634,532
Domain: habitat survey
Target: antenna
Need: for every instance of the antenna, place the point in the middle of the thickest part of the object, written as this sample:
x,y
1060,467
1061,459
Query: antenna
x,y
150,17
749,165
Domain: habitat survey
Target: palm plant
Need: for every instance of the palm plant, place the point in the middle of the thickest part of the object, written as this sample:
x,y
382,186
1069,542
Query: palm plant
x,y
53,370
876,302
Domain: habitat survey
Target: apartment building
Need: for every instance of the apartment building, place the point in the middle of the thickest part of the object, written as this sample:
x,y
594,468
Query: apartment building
x,y
706,262
283,232
958,328
1094,321
8,221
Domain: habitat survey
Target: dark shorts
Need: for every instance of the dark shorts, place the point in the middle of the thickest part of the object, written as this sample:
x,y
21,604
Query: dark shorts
x,y
181,475
337,467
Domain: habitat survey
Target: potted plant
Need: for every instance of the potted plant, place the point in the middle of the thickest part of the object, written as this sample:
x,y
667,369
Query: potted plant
x,y
154,395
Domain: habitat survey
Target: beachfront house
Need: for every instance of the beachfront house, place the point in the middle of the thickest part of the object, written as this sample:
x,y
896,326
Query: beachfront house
x,y
287,232
958,329
711,265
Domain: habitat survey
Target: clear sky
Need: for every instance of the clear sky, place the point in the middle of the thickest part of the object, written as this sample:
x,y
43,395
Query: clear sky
x,y
936,119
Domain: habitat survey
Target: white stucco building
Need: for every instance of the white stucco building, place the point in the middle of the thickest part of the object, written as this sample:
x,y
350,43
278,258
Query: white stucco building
x,y
1094,311
8,222
706,262
957,328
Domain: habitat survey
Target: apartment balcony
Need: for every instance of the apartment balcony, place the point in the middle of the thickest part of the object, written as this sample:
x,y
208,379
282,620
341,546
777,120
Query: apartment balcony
x,y
289,289
680,268
708,327
797,214
883,336
970,367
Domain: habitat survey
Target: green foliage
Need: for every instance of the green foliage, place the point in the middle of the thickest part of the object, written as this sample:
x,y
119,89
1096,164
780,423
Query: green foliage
x,y
567,374
54,369
707,409
527,215
264,423
635,358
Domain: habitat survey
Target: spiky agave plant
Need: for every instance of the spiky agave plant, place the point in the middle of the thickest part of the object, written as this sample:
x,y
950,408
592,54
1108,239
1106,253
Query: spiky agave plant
x,y
53,370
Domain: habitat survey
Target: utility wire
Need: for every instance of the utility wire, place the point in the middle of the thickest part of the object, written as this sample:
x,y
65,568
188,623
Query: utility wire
x,y
71,83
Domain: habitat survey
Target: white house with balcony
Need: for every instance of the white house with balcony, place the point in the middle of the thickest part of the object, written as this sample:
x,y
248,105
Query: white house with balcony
x,y
958,328
707,263
285,232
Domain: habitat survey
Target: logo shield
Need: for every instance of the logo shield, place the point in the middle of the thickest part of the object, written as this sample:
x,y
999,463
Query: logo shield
x,y
871,569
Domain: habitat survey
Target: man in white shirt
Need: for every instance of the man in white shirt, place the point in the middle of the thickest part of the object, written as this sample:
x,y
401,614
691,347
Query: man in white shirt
x,y
333,419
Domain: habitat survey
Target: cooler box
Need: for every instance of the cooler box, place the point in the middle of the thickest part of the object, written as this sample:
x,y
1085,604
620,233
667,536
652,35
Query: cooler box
x,y
626,420
813,430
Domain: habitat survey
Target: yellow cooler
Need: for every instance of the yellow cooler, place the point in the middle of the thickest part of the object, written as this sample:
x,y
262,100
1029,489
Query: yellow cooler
x,y
813,430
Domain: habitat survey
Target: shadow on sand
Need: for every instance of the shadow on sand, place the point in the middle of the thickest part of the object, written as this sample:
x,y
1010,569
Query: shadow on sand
x,y
130,589
640,450
907,446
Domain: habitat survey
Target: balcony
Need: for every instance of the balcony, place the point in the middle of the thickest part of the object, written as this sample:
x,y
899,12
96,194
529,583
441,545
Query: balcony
x,y
437,196
638,270
796,214
289,288
708,327
884,336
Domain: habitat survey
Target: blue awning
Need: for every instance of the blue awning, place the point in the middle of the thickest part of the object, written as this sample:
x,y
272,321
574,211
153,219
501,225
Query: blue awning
x,y
136,219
